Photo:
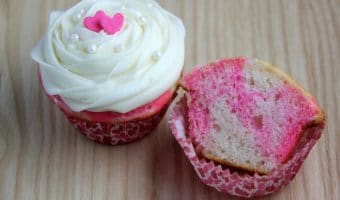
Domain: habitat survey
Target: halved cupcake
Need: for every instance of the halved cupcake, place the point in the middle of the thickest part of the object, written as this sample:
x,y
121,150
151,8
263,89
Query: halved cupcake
x,y
112,66
244,122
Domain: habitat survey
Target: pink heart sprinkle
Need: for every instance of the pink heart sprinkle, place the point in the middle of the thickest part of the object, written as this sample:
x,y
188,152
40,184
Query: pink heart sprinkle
x,y
103,22
93,23
112,25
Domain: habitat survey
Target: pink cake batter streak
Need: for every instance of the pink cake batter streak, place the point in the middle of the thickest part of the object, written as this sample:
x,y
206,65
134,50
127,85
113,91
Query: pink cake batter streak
x,y
226,79
233,182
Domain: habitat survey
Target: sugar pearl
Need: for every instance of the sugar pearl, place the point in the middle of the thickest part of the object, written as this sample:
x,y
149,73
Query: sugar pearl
x,y
141,20
74,37
156,56
77,17
123,7
92,48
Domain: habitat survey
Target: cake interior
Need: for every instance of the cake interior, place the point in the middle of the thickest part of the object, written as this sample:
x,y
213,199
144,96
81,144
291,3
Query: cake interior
x,y
245,115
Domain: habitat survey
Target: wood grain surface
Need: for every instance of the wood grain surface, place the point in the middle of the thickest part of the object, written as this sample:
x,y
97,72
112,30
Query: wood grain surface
x,y
43,157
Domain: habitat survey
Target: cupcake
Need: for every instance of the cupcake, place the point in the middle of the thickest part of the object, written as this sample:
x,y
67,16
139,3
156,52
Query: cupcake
x,y
112,67
245,126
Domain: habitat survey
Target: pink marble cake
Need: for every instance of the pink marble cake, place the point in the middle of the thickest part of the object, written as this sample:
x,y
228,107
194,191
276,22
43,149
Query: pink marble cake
x,y
247,114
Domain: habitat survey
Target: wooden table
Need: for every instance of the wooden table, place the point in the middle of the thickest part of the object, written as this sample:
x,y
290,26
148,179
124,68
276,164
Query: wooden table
x,y
43,157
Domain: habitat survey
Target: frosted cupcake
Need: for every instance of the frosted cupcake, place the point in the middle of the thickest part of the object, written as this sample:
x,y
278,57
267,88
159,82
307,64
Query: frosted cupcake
x,y
112,66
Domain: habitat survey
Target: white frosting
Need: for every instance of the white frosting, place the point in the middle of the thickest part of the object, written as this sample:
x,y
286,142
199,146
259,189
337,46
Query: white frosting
x,y
100,72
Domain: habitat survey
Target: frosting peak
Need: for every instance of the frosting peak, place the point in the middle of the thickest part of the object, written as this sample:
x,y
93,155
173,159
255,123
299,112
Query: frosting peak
x,y
97,71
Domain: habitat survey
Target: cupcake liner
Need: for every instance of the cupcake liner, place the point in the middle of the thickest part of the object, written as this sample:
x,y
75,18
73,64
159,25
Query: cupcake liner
x,y
112,130
115,132
234,182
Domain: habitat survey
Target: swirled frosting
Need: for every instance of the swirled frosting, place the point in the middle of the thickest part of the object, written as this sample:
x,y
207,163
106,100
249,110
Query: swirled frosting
x,y
101,72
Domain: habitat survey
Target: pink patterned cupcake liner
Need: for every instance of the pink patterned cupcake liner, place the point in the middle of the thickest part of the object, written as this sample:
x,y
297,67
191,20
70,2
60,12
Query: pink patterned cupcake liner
x,y
119,132
113,133
235,182
114,130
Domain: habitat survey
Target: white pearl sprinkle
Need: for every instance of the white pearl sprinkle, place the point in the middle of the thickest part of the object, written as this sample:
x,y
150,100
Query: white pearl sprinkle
x,y
77,17
74,37
142,20
82,11
156,56
119,48
92,48
123,7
